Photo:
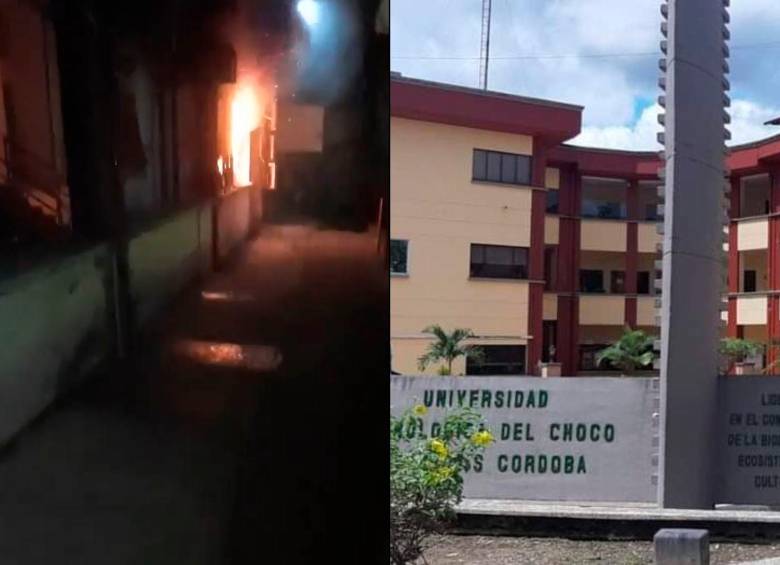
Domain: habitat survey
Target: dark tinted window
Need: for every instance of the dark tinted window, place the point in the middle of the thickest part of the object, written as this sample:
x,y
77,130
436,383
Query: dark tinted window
x,y
399,251
750,281
552,201
617,283
499,261
591,281
496,166
480,164
498,360
643,282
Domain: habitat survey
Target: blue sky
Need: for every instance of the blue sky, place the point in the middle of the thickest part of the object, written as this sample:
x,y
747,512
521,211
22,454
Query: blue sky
x,y
601,54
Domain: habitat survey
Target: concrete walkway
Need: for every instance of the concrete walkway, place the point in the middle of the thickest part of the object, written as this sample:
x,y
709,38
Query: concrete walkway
x,y
234,435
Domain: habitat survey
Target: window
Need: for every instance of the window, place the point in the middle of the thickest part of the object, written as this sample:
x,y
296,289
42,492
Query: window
x,y
749,281
651,212
552,201
498,360
643,282
495,166
617,282
499,261
550,267
591,281
601,209
399,256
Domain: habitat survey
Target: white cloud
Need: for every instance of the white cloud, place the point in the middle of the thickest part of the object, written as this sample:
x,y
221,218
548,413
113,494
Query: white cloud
x,y
747,120
608,87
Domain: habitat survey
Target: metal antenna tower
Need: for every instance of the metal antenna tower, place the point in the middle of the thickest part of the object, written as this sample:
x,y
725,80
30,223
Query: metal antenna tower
x,y
484,44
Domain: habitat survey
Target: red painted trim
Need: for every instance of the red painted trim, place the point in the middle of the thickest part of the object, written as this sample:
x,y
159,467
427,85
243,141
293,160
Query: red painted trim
x,y
489,111
632,266
568,334
536,261
773,268
632,253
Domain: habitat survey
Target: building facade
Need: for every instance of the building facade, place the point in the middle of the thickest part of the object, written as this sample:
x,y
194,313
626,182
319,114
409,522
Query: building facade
x,y
547,251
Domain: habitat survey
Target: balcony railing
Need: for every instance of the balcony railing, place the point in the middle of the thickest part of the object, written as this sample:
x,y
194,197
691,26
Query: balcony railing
x,y
603,209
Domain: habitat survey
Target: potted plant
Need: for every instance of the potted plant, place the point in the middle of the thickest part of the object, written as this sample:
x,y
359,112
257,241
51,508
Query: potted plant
x,y
447,347
633,351
736,351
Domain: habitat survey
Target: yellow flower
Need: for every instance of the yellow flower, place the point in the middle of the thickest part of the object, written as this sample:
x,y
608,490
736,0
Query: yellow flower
x,y
420,410
443,473
438,447
482,438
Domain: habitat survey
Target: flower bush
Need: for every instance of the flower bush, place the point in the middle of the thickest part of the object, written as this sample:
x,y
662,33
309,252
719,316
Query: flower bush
x,y
426,475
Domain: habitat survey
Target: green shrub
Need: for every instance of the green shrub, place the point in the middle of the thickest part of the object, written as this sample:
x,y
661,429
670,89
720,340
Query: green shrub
x,y
426,475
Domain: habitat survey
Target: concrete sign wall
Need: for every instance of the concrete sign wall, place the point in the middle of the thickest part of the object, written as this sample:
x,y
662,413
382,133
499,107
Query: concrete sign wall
x,y
586,439
748,441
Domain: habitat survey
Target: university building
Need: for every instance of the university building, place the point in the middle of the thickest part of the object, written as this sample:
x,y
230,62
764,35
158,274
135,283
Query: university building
x,y
546,251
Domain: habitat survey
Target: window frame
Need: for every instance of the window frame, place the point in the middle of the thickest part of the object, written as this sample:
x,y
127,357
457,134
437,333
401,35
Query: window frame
x,y
754,274
470,365
515,248
399,273
518,157
582,286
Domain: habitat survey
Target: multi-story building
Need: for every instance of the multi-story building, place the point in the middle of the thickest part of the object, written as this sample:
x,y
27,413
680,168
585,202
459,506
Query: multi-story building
x,y
546,251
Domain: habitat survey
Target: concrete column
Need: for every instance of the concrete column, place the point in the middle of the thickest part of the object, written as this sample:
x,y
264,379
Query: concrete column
x,y
733,276
632,253
536,260
693,270
568,271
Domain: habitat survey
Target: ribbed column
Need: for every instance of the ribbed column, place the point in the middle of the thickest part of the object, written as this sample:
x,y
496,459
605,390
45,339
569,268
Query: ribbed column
x,y
693,261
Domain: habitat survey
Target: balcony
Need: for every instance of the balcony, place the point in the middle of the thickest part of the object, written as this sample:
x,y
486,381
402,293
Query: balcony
x,y
752,234
607,310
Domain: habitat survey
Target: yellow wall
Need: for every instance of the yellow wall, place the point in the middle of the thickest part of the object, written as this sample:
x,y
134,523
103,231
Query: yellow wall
x,y
753,234
751,310
602,310
550,306
602,235
753,261
551,229
647,237
600,334
435,206
552,178
645,311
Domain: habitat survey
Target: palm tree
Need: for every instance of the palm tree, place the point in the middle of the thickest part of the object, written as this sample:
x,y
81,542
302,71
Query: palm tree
x,y
448,347
632,351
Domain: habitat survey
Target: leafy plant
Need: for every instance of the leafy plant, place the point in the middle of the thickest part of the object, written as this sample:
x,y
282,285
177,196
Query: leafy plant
x,y
447,347
634,350
426,476
736,350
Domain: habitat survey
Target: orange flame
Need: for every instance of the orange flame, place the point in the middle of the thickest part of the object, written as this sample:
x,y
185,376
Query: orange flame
x,y
245,117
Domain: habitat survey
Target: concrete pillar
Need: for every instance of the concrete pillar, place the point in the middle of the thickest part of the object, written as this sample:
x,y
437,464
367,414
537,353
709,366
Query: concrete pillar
x,y
536,260
681,547
692,255
568,271
733,274
632,253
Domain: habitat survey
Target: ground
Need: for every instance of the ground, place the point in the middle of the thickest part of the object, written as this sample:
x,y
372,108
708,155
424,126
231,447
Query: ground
x,y
187,453
499,550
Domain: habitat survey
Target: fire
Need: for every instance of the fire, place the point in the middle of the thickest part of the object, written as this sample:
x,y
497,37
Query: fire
x,y
245,115
220,165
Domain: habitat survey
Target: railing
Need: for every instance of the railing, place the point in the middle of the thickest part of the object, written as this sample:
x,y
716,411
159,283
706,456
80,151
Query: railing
x,y
40,183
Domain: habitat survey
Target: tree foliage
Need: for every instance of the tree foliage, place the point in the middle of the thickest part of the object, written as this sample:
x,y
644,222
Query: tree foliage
x,y
634,350
447,347
426,475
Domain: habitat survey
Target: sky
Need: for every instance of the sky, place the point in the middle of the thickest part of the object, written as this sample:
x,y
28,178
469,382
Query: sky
x,y
600,54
